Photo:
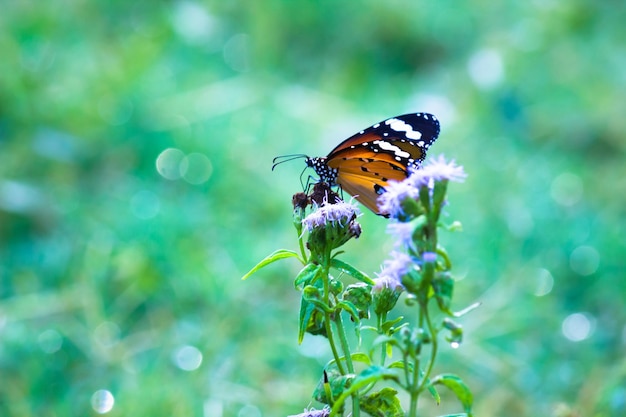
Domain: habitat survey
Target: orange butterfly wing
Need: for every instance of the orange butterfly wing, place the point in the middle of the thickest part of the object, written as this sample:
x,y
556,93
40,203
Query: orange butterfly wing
x,y
364,174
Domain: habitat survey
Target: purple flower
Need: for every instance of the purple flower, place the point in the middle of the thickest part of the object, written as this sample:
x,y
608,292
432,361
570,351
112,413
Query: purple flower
x,y
324,412
390,201
437,169
388,286
429,256
341,213
393,270
386,282
403,234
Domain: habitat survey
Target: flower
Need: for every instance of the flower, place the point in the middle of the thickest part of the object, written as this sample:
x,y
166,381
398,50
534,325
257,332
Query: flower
x,y
324,412
391,274
340,213
390,202
384,282
330,226
403,234
388,286
437,169
396,200
429,257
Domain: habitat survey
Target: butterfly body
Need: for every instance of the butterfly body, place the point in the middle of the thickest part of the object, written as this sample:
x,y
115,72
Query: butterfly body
x,y
363,164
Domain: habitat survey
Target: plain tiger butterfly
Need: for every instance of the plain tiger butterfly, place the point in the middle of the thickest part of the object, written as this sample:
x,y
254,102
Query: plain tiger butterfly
x,y
363,164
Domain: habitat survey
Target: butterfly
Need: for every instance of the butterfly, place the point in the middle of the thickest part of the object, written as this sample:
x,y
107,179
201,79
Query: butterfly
x,y
363,164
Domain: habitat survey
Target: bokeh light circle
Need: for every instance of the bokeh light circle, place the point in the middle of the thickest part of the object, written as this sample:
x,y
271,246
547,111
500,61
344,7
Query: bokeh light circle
x,y
577,327
196,168
584,260
168,163
102,401
544,281
187,358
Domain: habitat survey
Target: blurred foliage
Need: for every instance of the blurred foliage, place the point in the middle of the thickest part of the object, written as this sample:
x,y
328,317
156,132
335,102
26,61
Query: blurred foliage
x,y
118,276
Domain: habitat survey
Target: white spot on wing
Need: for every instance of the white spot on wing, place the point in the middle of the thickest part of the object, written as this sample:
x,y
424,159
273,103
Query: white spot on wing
x,y
393,148
400,126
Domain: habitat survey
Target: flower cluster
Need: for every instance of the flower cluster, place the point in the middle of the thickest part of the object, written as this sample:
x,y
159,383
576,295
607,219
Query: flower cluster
x,y
398,198
334,214
415,206
331,225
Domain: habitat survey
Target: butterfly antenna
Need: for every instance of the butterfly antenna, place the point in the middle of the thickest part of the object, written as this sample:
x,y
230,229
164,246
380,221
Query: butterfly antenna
x,y
285,158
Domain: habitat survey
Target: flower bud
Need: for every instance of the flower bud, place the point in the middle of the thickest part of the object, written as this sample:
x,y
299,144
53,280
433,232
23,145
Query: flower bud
x,y
330,226
336,286
412,281
385,294
359,295
456,332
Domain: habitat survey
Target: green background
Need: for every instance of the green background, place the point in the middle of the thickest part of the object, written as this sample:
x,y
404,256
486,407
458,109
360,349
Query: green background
x,y
120,264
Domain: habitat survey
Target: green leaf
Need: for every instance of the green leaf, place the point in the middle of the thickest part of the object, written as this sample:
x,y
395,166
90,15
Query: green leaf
x,y
331,386
396,365
350,270
311,320
369,376
277,255
384,403
375,373
306,275
458,387
433,391
356,357
361,357
383,339
386,326
350,308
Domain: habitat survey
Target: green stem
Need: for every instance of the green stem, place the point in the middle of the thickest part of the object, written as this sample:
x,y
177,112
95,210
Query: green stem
x,y
333,345
301,244
419,384
433,352
344,342
414,386
348,357
383,347
327,318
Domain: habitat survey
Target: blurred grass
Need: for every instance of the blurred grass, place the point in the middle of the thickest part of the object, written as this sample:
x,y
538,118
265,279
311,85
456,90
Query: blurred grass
x,y
108,269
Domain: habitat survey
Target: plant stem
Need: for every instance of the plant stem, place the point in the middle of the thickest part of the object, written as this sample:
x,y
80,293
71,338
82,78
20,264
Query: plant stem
x,y
301,244
327,318
383,347
433,351
348,357
414,385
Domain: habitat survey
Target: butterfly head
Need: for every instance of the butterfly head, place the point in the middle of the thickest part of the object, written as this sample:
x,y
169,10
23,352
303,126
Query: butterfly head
x,y
321,168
